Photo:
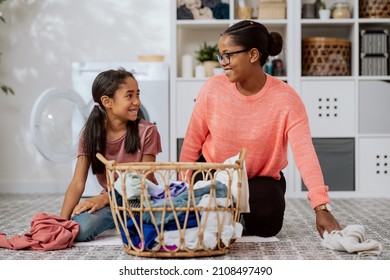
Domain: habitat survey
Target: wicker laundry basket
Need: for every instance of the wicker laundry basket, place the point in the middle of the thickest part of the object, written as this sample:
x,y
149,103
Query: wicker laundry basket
x,y
202,220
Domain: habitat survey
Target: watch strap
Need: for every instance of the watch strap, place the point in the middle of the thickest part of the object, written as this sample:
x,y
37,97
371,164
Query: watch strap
x,y
322,207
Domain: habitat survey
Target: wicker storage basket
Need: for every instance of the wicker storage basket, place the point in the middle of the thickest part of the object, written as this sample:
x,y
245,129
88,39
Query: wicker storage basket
x,y
374,41
197,229
374,8
322,56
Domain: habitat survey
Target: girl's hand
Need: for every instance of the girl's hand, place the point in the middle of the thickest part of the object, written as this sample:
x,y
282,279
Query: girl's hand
x,y
91,204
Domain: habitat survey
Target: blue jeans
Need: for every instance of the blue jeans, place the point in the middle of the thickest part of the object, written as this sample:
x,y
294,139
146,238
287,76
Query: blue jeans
x,y
91,225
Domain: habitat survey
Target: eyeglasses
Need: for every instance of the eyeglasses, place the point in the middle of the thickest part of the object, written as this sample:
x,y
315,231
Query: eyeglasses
x,y
225,58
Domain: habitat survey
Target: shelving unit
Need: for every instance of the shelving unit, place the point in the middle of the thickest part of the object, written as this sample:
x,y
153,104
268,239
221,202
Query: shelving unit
x,y
348,114
347,117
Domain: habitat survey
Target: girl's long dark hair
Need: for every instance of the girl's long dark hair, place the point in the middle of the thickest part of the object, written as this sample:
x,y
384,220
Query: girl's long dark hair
x,y
251,34
94,131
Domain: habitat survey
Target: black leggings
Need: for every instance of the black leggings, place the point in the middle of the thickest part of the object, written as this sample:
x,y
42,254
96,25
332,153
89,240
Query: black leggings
x,y
267,205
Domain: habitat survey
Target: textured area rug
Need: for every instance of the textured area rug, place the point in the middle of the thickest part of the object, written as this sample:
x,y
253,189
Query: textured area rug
x,y
298,239
110,237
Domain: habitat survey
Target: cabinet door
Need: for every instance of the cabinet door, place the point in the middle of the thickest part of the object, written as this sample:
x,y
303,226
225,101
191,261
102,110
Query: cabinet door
x,y
330,106
374,113
337,160
374,165
187,91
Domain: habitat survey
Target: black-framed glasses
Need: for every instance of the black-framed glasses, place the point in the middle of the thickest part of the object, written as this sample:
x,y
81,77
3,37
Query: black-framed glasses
x,y
225,58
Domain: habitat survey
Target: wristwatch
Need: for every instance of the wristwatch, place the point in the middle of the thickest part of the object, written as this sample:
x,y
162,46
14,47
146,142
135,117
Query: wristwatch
x,y
325,207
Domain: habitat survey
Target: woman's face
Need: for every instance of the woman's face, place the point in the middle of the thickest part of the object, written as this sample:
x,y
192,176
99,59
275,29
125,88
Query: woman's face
x,y
236,60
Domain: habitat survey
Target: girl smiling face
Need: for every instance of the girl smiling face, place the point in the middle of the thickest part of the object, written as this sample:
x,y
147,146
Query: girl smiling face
x,y
126,102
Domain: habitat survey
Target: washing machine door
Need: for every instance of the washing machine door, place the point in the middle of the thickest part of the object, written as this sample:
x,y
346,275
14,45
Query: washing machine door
x,y
56,120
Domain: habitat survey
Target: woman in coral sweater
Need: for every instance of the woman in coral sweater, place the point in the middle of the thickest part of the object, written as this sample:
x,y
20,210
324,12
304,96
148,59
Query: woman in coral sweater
x,y
245,107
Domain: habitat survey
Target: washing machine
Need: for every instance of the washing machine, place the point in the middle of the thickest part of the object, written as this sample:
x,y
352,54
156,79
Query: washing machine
x,y
59,114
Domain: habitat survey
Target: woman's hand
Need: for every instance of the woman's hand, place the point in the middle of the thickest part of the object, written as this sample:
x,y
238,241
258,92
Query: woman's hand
x,y
326,221
91,204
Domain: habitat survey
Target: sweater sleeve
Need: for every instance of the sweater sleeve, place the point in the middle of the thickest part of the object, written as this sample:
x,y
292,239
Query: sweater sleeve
x,y
307,161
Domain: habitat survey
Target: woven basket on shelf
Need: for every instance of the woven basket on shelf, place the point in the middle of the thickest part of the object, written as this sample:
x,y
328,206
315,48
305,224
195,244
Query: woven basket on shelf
x,y
272,10
176,225
323,56
374,8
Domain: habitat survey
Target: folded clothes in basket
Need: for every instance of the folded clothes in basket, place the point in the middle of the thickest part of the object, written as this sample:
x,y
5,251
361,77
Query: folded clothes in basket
x,y
149,230
179,216
181,201
175,188
211,223
132,184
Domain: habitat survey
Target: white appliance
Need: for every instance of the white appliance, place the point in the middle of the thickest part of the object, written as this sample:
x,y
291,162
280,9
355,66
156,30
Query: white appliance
x,y
58,115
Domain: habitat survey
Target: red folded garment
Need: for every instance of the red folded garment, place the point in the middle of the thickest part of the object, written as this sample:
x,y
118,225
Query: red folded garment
x,y
48,232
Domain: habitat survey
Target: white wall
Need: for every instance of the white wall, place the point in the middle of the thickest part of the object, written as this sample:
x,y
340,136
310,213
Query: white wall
x,y
38,42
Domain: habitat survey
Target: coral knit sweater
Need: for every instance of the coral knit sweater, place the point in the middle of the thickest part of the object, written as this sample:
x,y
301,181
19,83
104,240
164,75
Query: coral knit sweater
x,y
223,121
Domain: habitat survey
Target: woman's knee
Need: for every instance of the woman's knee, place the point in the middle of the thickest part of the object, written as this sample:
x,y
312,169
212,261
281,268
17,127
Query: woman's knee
x,y
262,226
267,206
264,223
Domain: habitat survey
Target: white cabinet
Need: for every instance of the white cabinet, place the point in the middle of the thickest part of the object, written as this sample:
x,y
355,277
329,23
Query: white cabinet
x,y
374,165
330,107
374,111
185,104
352,106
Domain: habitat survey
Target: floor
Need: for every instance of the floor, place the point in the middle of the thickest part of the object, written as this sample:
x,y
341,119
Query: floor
x,y
298,239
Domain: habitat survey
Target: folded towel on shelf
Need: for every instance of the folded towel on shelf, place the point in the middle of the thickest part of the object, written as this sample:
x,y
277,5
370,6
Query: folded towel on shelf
x,y
352,240
184,13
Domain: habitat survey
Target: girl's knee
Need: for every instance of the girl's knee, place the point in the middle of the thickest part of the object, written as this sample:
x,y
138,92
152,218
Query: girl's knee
x,y
86,226
91,225
84,235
